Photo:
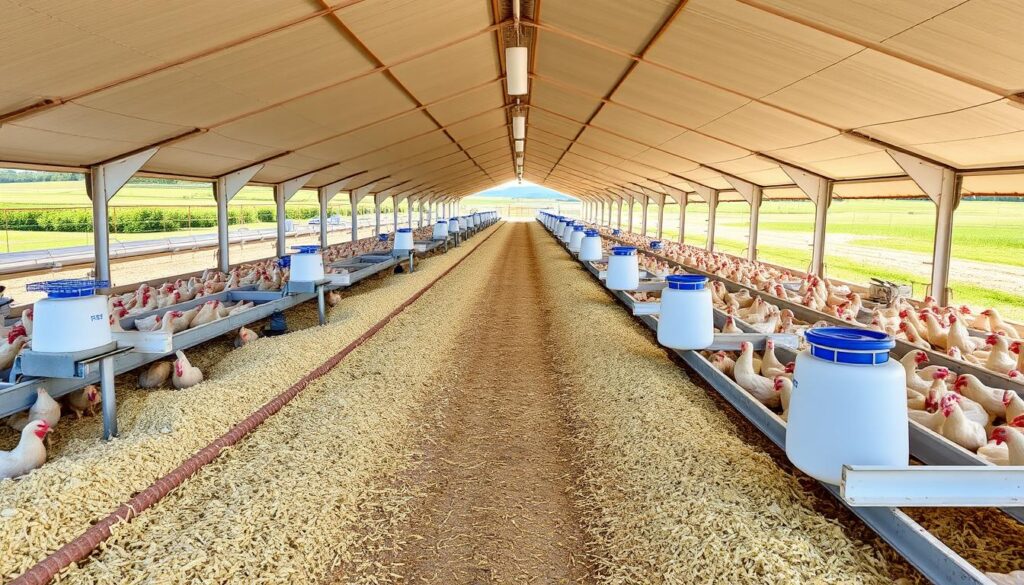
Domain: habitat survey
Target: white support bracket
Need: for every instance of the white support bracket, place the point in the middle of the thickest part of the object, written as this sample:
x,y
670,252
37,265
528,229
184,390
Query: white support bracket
x,y
224,190
752,194
819,190
680,196
105,180
282,193
710,196
941,185
933,486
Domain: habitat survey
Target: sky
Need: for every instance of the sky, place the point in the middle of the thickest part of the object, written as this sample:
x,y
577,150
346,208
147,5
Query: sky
x,y
527,190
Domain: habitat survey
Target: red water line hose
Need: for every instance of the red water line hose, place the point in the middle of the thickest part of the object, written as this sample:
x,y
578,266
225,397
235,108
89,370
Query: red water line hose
x,y
83,545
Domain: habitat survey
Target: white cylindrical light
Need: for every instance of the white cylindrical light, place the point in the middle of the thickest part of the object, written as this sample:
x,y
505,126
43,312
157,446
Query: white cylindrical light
x,y
520,145
519,127
516,67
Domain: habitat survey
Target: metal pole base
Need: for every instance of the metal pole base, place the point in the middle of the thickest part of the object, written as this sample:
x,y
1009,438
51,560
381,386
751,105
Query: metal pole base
x,y
109,405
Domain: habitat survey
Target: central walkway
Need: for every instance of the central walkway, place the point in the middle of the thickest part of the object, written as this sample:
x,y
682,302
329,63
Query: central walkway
x,y
498,480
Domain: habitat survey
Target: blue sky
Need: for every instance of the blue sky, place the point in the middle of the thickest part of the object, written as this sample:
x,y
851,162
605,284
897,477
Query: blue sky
x,y
524,191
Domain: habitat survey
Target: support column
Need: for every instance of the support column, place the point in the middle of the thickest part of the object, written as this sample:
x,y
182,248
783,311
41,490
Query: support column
x,y
631,215
376,218
224,189
354,204
282,193
643,219
819,190
942,185
711,197
103,182
394,215
619,222
752,194
661,219
324,196
408,210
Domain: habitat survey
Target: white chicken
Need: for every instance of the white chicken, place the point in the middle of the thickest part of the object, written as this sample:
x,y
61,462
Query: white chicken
x,y
761,388
960,429
1013,437
29,454
156,375
784,386
185,374
999,357
245,336
83,401
910,362
44,408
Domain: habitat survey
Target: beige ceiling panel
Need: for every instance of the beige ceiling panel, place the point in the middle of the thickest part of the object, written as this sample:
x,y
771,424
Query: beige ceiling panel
x,y
286,168
703,149
875,20
1007,149
867,190
708,177
77,39
745,49
485,137
873,164
540,147
278,127
668,96
731,197
550,139
74,120
378,136
665,161
747,164
626,26
610,143
562,101
220,145
875,89
644,170
174,96
23,144
180,160
759,128
593,154
394,29
572,160
551,123
980,39
452,70
489,97
416,148
592,70
353,104
478,124
1010,184
991,120
766,177
635,125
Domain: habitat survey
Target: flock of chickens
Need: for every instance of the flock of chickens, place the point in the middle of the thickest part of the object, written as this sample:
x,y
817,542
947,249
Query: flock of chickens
x,y
984,420
264,275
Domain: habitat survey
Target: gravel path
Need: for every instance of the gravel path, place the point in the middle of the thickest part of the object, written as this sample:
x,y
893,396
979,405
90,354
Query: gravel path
x,y
497,477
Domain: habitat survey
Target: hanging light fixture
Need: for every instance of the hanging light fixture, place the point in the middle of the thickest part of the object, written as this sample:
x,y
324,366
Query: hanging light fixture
x,y
516,67
520,145
519,127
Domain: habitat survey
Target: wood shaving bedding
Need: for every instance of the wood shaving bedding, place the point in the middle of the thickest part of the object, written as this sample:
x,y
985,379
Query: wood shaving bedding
x,y
671,494
85,478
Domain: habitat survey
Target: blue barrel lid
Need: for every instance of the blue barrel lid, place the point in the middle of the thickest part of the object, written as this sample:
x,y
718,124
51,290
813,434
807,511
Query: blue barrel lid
x,y
848,345
656,245
284,261
577,228
68,288
306,249
590,233
404,230
686,281
616,232
623,251
382,237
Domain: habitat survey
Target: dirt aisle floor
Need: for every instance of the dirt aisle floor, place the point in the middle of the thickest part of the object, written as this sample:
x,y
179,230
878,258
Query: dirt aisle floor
x,y
498,482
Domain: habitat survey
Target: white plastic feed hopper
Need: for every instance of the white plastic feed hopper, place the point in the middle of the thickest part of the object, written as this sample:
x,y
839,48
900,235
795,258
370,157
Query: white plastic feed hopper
x,y
307,264
72,317
403,239
849,404
686,318
590,247
576,238
623,269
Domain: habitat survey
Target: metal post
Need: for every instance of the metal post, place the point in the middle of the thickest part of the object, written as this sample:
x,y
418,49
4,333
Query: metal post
x,y
619,219
819,190
408,211
108,405
394,214
321,197
376,211
631,215
279,200
661,219
355,214
321,306
420,224
712,211
755,217
643,219
100,227
220,195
